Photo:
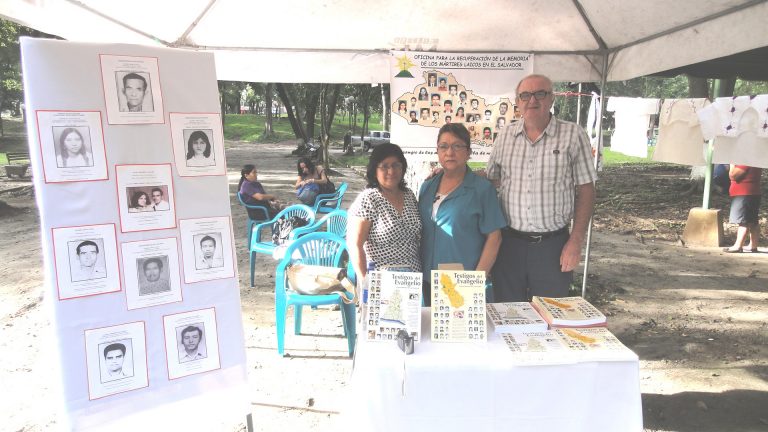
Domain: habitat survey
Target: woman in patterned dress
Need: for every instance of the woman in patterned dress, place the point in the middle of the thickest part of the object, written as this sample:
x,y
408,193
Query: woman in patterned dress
x,y
384,225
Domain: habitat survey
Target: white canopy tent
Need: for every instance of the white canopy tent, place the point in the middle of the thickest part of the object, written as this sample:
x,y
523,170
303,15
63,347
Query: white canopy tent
x,y
347,41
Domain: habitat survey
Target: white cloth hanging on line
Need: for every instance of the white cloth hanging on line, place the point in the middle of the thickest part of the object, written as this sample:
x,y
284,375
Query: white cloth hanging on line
x,y
632,119
593,128
739,126
680,139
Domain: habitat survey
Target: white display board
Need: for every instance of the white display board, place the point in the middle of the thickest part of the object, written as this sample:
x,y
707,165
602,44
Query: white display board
x,y
138,248
429,89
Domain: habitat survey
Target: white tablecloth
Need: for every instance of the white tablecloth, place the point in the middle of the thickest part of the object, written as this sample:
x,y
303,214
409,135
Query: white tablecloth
x,y
474,387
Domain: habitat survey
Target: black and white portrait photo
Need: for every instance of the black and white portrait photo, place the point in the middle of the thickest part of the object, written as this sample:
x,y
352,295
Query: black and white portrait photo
x,y
153,275
147,199
86,259
116,360
73,146
208,251
191,342
134,91
199,147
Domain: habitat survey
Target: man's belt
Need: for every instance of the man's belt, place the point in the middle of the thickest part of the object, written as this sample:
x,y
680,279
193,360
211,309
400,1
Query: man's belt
x,y
532,237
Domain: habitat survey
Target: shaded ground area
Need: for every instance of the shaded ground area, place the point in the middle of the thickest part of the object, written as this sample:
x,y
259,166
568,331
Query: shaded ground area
x,y
696,316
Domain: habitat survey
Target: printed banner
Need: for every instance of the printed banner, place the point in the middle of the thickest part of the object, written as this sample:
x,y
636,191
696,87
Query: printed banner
x,y
430,89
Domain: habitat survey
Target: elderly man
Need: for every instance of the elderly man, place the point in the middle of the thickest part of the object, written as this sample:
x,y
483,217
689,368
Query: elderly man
x,y
134,89
543,166
190,340
87,257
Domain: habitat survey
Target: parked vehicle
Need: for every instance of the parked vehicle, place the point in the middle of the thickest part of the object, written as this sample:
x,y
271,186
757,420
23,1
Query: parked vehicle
x,y
371,140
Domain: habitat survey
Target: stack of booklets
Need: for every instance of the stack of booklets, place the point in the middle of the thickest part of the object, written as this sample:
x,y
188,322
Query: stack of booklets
x,y
568,312
566,345
516,317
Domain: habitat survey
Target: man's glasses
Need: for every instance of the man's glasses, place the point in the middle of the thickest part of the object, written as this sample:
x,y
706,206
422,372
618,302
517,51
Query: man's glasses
x,y
454,147
539,95
397,166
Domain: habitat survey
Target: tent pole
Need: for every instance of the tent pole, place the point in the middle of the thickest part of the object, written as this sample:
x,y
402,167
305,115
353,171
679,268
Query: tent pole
x,y
603,81
708,175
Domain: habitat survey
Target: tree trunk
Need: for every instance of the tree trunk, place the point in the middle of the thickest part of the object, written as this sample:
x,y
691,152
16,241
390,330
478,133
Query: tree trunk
x,y
223,105
293,118
311,110
385,111
267,111
697,87
327,112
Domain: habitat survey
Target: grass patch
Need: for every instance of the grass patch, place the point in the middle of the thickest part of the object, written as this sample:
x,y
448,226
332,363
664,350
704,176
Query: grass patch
x,y
250,127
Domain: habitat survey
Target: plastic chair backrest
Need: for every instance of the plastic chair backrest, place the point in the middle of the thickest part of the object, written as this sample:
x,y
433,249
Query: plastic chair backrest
x,y
254,207
329,202
335,222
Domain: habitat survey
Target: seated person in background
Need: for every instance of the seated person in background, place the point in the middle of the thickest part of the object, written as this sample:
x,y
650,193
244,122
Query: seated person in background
x,y
310,181
253,193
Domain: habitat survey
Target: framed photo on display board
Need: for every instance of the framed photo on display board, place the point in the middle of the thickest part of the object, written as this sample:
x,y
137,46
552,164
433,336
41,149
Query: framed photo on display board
x,y
206,245
131,89
151,272
198,144
71,146
86,260
191,343
116,359
145,197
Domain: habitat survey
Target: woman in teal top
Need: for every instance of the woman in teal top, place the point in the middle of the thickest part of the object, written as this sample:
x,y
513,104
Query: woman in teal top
x,y
460,215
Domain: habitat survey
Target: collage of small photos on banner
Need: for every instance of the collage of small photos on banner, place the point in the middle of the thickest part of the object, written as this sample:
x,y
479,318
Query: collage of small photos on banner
x,y
119,243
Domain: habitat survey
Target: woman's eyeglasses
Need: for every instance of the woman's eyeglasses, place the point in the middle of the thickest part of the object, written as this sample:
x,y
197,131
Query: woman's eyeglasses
x,y
454,147
397,166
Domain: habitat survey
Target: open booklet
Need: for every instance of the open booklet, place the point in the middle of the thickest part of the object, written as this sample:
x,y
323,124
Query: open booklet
x,y
568,312
566,345
514,317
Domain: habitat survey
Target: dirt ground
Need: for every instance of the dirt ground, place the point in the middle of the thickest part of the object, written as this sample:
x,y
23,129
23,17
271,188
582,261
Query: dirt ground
x,y
695,316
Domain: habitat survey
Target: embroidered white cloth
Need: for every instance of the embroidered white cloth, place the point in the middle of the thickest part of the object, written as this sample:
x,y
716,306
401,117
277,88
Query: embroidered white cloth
x,y
739,126
632,118
680,140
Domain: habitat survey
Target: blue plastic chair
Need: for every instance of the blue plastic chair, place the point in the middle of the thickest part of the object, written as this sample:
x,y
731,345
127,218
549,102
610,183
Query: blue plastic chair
x,y
252,222
335,222
267,246
326,203
323,249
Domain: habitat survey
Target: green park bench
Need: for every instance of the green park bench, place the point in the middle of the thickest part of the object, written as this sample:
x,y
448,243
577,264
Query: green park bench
x,y
18,163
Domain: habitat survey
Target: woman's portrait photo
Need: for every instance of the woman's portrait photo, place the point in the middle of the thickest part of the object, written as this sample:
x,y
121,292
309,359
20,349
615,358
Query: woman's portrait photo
x,y
423,94
199,148
139,202
73,147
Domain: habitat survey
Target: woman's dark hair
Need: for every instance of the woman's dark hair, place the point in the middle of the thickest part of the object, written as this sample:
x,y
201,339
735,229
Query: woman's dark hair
x,y
458,130
196,135
308,163
135,198
247,168
379,153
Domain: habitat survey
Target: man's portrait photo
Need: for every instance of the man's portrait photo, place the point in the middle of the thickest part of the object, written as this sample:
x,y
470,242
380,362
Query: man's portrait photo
x,y
208,251
72,146
153,275
134,91
159,201
191,342
86,260
115,363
